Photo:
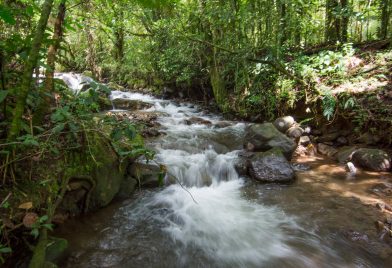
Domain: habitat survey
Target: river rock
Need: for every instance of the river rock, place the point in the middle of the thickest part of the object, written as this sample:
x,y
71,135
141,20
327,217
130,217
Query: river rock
x,y
294,132
262,137
271,166
128,187
329,137
241,167
284,123
127,104
326,150
372,159
197,120
147,174
222,124
345,154
342,140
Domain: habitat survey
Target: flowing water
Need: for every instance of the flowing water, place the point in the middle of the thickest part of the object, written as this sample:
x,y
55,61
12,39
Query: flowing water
x,y
215,218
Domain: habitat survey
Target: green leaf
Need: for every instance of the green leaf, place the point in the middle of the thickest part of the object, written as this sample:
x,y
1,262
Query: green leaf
x,y
29,140
43,219
5,250
48,226
58,128
3,95
6,15
35,232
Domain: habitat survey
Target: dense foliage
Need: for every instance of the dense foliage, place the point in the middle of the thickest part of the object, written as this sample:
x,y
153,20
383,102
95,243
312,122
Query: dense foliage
x,y
256,59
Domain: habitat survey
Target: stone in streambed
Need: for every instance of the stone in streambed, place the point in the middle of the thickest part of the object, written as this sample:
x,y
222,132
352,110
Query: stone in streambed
x,y
196,120
345,154
294,132
128,187
372,159
127,104
284,123
146,174
262,137
271,166
326,150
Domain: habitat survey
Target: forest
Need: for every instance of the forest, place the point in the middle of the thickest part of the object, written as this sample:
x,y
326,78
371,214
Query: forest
x,y
327,63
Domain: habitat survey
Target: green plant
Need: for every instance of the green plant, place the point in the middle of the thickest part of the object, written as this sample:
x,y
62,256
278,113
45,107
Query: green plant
x,y
40,223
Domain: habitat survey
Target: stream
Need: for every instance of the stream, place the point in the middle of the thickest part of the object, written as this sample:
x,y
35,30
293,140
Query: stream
x,y
214,218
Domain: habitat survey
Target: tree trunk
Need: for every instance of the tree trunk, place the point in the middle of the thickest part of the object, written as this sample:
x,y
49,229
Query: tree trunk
x,y
345,20
332,27
45,104
385,15
27,76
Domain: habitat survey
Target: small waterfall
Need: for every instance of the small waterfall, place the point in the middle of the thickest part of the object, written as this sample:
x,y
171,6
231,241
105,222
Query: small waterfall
x,y
74,81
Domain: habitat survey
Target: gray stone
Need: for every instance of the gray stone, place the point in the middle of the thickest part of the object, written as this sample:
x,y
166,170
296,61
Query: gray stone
x,y
330,137
241,166
146,174
284,123
345,154
222,124
197,120
372,159
262,137
127,104
271,166
294,132
326,150
342,141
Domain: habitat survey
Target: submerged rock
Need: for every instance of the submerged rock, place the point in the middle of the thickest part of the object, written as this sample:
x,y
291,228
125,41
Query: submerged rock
x,y
372,159
196,120
284,123
271,166
262,137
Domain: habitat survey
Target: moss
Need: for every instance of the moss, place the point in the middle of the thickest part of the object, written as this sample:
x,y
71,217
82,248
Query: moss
x,y
55,248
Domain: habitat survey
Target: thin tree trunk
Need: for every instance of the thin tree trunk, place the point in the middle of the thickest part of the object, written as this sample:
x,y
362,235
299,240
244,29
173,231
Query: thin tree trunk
x,y
345,20
45,104
27,76
332,27
385,16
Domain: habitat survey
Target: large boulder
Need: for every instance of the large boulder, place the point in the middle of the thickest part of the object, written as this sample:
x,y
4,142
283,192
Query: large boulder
x,y
372,159
271,166
284,123
345,154
262,137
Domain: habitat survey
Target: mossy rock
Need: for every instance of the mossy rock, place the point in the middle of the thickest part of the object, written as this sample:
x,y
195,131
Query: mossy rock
x,y
100,166
55,249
